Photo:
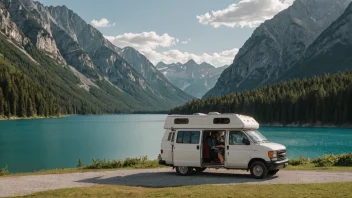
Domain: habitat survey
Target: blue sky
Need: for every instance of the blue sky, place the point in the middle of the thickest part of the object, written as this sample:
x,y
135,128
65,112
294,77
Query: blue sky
x,y
170,31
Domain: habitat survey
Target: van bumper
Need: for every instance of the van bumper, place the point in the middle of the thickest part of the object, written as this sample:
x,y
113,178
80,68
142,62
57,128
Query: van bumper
x,y
277,165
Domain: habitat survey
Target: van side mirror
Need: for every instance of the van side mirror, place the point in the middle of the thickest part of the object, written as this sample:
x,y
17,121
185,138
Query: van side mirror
x,y
246,141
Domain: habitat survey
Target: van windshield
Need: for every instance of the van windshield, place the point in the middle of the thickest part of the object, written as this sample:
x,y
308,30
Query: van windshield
x,y
256,136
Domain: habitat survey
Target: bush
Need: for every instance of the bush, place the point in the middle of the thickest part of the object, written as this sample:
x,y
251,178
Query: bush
x,y
344,160
4,171
326,161
298,162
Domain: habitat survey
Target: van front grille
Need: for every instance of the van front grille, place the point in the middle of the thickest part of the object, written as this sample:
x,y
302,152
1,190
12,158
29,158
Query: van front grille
x,y
281,155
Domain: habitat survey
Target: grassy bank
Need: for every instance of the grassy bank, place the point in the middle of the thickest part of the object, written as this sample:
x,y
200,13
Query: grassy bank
x,y
281,190
341,162
96,166
32,118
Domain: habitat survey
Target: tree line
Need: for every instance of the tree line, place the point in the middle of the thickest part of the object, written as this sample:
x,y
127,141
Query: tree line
x,y
325,99
22,98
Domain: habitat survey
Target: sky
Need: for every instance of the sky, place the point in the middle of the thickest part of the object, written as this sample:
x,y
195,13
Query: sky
x,y
179,30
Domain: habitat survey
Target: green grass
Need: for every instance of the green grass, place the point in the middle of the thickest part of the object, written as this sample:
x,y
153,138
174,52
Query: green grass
x,y
224,191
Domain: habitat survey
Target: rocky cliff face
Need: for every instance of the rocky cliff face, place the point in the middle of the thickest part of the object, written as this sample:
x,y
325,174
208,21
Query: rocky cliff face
x,y
330,52
9,28
34,25
84,34
195,79
277,44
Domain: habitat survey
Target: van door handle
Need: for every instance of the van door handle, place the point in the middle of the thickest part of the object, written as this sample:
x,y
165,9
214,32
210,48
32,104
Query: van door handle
x,y
228,147
197,147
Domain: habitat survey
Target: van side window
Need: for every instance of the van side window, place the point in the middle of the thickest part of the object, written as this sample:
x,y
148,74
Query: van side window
x,y
195,135
169,137
236,138
221,121
181,121
188,137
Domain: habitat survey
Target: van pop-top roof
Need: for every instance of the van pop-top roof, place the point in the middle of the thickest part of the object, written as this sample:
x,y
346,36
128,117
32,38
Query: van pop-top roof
x,y
212,120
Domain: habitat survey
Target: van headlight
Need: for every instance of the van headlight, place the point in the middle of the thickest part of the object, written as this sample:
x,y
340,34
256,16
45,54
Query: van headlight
x,y
272,155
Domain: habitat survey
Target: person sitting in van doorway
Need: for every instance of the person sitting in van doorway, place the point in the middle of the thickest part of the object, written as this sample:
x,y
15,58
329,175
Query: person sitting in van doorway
x,y
216,147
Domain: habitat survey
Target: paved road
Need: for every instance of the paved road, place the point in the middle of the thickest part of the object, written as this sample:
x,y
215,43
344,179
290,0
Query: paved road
x,y
13,186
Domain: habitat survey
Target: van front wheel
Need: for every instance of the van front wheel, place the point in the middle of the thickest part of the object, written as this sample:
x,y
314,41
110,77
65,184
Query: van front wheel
x,y
184,170
258,170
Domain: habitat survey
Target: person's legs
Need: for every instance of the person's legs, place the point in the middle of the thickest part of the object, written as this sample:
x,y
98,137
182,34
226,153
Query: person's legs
x,y
221,158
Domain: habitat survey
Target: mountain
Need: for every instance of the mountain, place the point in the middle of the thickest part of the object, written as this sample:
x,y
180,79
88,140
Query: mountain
x,y
195,79
69,41
277,44
34,84
330,52
152,76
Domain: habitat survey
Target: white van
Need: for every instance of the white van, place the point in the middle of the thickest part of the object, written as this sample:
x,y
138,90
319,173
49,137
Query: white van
x,y
188,143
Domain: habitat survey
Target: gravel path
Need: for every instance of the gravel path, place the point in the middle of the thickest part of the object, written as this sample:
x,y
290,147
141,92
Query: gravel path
x,y
13,186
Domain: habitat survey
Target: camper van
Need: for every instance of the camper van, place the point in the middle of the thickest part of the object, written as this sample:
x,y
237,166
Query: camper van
x,y
193,143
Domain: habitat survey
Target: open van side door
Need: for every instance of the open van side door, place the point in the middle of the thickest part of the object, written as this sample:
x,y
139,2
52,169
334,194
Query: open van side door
x,y
187,148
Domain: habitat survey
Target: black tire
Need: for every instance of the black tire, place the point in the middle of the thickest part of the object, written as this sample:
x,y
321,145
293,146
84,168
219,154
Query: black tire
x,y
184,171
199,170
258,170
273,172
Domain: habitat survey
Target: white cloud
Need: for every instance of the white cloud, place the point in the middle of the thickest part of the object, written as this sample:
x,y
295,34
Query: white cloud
x,y
246,13
101,23
147,43
143,41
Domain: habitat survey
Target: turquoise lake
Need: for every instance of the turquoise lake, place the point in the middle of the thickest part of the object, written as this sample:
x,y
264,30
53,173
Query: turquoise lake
x,y
31,145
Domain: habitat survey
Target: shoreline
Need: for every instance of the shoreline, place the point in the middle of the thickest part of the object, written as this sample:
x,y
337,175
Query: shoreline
x,y
13,118
344,126
317,125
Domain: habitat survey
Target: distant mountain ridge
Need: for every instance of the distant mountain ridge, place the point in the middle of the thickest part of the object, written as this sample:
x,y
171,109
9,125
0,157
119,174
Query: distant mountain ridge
x,y
278,44
193,78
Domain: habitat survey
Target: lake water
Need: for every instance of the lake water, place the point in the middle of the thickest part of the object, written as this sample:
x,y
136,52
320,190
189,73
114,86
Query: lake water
x,y
30,145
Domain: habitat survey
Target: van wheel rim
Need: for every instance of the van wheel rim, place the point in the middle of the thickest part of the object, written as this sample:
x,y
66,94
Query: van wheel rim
x,y
183,169
258,170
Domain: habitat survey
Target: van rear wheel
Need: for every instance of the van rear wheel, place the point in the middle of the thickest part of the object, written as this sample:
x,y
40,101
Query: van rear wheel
x,y
184,170
258,170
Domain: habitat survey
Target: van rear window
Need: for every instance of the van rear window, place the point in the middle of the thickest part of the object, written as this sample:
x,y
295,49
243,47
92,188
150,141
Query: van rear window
x,y
181,121
188,137
221,120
